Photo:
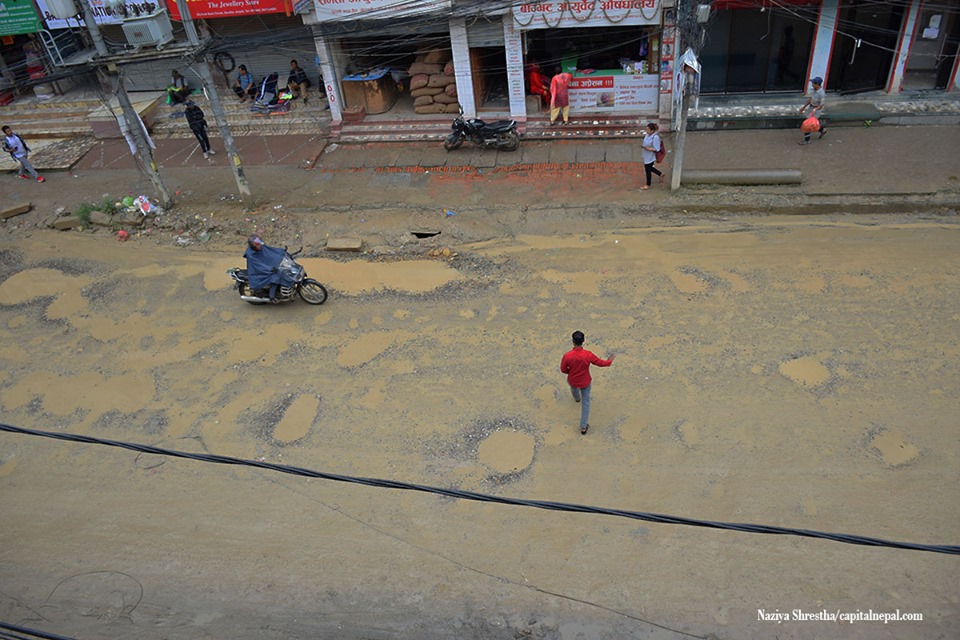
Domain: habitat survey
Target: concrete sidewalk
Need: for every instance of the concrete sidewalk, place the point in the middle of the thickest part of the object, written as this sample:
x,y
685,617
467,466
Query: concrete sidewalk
x,y
874,163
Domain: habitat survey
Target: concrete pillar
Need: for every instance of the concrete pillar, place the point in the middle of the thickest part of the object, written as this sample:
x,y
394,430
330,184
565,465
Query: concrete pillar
x,y
331,79
954,84
823,42
513,45
904,42
461,66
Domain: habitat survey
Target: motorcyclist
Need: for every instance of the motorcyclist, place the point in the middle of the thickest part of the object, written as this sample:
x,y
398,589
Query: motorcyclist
x,y
263,266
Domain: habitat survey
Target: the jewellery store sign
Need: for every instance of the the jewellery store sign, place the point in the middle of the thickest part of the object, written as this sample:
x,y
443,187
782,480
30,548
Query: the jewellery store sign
x,y
329,10
227,8
598,13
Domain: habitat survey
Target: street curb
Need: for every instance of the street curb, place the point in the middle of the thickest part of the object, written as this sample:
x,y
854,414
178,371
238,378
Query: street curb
x,y
813,208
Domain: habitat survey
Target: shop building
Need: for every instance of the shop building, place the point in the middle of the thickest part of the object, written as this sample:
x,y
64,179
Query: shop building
x,y
771,46
618,51
21,55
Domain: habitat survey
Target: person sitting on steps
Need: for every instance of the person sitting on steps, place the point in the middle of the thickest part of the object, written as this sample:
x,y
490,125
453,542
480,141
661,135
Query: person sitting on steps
x,y
179,90
244,86
297,82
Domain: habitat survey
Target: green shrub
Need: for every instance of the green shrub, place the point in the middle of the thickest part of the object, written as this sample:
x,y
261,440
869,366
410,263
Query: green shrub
x,y
83,211
109,206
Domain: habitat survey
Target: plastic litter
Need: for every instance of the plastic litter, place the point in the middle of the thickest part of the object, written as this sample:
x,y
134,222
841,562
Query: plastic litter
x,y
122,236
146,207
449,213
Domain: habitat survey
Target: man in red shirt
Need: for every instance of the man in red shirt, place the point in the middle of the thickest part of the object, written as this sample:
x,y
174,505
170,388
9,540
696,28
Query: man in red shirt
x,y
576,364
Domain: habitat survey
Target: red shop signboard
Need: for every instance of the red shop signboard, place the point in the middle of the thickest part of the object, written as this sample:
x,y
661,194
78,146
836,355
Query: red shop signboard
x,y
229,8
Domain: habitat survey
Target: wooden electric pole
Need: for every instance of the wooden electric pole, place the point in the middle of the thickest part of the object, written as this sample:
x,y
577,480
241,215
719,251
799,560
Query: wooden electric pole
x,y
144,151
236,164
203,69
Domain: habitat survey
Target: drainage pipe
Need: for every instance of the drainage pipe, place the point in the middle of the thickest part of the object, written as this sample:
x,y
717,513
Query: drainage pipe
x,y
742,176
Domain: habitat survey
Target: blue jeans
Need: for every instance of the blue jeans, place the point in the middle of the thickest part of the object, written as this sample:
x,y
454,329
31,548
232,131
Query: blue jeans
x,y
583,397
26,166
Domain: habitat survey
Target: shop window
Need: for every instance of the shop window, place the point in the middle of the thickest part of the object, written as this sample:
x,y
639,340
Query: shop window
x,y
749,51
933,53
864,67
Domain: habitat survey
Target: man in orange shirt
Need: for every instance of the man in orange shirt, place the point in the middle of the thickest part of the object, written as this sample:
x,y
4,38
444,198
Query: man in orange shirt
x,y
576,364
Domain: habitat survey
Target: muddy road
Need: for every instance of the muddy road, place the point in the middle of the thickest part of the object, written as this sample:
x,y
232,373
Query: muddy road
x,y
800,372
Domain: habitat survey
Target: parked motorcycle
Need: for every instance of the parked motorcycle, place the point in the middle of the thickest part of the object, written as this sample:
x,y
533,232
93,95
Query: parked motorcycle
x,y
309,290
501,134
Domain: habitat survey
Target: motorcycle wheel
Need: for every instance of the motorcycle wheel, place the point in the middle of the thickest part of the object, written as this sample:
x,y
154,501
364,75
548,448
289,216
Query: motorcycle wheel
x,y
312,292
453,141
244,290
510,141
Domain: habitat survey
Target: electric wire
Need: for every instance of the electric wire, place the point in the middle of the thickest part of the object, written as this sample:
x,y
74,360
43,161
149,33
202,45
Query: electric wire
x,y
31,632
481,497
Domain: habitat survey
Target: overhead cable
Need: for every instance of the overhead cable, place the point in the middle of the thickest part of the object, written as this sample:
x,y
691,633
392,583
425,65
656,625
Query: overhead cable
x,y
481,497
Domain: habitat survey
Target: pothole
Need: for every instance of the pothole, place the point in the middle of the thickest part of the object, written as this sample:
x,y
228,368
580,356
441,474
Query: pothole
x,y
507,452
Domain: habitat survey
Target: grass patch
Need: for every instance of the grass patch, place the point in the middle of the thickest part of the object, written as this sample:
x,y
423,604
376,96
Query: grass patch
x,y
83,211
109,206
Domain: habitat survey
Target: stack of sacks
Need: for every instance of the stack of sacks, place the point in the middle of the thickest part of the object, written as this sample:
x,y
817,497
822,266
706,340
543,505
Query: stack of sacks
x,y
432,83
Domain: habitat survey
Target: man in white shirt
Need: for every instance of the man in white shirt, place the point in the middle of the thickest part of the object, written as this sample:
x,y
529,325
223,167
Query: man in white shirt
x,y
18,150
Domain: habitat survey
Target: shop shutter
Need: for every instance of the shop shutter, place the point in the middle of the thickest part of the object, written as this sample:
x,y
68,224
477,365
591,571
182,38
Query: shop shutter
x,y
485,34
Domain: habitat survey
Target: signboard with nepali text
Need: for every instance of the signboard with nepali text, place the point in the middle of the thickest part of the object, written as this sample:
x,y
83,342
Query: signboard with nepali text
x,y
228,8
627,92
18,17
585,13
329,10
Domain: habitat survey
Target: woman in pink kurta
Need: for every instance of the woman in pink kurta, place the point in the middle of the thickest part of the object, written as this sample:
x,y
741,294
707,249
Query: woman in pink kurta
x,y
560,95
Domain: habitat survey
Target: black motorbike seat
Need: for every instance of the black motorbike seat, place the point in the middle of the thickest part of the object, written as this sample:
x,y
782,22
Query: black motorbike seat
x,y
500,126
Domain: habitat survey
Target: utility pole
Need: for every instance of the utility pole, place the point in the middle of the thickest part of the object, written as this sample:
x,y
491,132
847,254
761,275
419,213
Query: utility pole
x,y
94,29
203,68
129,113
139,139
677,170
691,14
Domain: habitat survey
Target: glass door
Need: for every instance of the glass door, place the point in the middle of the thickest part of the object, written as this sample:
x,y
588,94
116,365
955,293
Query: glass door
x,y
754,51
863,52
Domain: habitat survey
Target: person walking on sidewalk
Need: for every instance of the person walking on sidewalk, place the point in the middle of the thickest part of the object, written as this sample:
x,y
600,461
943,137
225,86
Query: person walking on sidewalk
x,y
576,364
19,151
815,105
198,124
560,95
650,146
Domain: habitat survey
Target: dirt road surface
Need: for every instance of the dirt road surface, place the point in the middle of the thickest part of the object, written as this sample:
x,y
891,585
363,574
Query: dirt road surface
x,y
799,372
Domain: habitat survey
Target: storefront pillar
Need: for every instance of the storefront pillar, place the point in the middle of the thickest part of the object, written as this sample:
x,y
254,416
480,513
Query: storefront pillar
x,y
460,47
903,48
331,79
954,85
823,42
513,45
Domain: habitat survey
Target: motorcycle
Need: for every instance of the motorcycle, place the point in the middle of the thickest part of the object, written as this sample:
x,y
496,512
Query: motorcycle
x,y
501,134
309,290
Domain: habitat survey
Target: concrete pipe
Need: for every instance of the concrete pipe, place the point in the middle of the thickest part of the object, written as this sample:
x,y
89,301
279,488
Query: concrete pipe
x,y
742,176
